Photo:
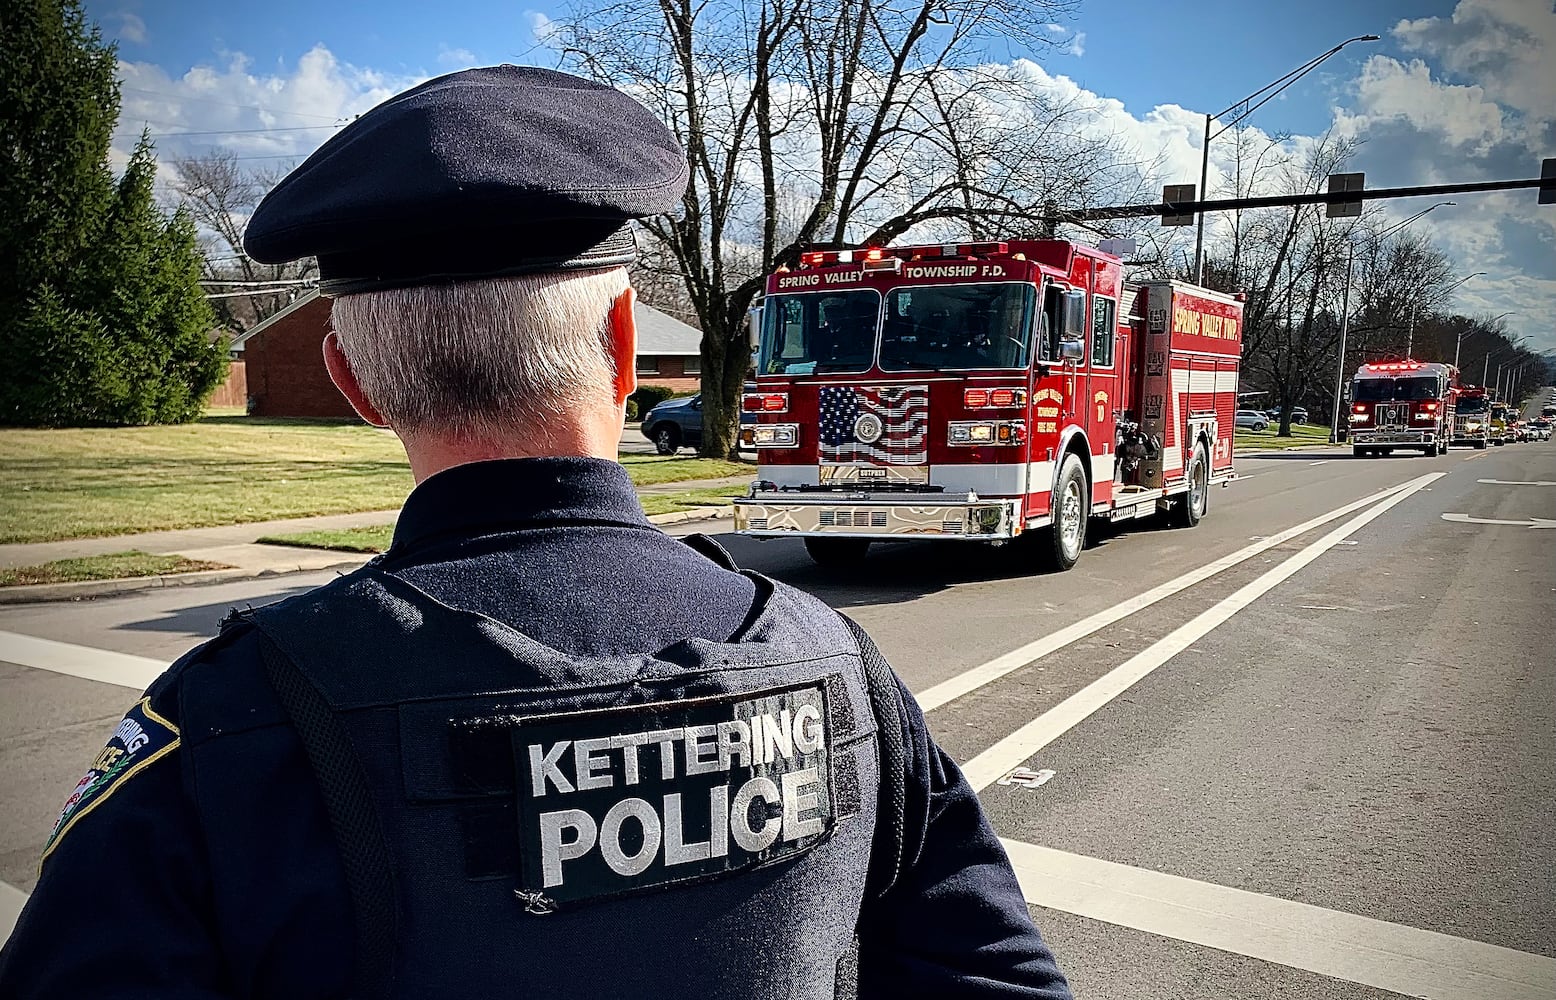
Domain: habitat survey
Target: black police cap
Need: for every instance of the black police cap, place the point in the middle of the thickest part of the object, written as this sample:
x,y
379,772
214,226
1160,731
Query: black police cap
x,y
486,172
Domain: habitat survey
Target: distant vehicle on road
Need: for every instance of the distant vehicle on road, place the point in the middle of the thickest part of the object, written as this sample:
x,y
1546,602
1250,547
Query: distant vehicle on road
x,y
1407,404
677,423
1548,411
1541,427
1472,417
1501,423
1252,419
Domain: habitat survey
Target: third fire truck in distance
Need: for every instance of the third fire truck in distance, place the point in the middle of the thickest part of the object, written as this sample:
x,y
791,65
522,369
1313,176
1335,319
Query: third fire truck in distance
x,y
1501,422
980,391
1472,416
1403,404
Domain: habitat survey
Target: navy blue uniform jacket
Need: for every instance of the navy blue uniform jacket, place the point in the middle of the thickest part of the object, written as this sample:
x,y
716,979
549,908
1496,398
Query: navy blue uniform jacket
x,y
209,869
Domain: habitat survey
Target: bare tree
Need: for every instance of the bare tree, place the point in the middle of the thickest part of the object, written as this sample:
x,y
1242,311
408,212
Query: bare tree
x,y
843,123
221,193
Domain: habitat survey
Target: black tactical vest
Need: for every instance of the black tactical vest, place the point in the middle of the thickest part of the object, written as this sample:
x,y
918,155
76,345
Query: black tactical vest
x,y
516,821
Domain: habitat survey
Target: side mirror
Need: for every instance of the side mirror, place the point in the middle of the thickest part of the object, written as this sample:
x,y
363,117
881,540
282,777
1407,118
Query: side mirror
x,y
1072,350
1074,315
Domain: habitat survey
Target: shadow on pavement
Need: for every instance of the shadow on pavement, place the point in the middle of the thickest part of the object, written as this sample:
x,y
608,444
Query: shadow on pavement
x,y
201,620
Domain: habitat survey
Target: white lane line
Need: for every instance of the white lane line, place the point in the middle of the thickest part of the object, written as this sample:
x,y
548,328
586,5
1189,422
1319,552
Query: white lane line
x,y
1513,482
984,769
1324,462
11,901
1345,946
970,680
80,661
1532,522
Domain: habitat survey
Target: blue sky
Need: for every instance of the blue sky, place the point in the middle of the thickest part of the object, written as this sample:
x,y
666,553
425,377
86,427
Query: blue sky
x,y
1455,90
1203,55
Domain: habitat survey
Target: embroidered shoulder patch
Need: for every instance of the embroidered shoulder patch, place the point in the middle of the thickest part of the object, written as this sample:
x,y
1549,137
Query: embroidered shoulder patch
x,y
141,738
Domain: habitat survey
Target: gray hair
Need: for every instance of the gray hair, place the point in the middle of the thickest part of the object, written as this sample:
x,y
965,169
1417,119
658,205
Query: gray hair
x,y
483,358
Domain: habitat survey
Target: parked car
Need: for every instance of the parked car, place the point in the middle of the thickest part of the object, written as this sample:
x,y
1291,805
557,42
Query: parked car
x,y
1298,415
1252,419
677,423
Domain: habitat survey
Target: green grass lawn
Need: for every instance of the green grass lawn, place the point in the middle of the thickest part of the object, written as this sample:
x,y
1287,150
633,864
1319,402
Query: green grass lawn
x,y
113,566
376,538
1301,434
222,469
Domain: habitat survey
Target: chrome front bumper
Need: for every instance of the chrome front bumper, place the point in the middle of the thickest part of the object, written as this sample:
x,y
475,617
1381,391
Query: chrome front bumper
x,y
1390,435
877,515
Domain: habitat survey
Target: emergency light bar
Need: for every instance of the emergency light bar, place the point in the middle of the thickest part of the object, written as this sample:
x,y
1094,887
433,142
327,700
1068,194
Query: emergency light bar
x,y
976,399
889,259
766,402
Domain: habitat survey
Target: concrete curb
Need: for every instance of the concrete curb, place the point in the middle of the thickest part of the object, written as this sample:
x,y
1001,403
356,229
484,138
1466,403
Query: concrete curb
x,y
42,593
1256,452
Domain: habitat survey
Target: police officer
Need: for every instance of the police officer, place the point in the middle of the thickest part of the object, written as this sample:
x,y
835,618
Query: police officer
x,y
538,748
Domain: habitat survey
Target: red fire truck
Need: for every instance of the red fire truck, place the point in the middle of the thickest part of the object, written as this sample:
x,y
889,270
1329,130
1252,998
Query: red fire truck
x,y
1403,404
980,391
1472,416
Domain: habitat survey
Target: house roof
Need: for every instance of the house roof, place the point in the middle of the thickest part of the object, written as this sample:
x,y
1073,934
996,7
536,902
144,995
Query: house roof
x,y
663,334
263,325
658,333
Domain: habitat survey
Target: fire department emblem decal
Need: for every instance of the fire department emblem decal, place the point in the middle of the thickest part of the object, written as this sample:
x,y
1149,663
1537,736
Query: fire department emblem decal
x,y
868,428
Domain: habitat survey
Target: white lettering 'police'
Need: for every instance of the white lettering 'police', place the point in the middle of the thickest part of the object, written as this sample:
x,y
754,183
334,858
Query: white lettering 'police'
x,y
703,749
569,834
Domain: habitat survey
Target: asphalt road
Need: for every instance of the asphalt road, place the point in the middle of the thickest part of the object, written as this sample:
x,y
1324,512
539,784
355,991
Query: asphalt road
x,y
1318,766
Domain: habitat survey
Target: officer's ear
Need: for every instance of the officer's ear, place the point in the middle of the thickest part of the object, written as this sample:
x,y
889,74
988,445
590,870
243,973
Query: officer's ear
x,y
624,344
346,381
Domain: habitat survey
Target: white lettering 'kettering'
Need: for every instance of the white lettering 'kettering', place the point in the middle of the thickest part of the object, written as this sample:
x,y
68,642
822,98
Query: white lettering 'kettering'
x,y
592,771
543,765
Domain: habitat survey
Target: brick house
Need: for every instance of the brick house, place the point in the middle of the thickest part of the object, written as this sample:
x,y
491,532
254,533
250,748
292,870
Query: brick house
x,y
283,358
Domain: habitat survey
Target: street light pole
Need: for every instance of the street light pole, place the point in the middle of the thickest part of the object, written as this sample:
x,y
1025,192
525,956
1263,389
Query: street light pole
x,y
1267,93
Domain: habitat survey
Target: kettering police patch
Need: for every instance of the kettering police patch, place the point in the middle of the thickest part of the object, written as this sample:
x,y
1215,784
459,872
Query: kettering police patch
x,y
142,737
635,798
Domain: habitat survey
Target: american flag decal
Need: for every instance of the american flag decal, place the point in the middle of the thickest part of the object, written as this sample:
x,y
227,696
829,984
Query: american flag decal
x,y
903,412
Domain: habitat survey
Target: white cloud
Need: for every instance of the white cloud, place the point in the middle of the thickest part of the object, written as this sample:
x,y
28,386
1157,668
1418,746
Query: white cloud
x,y
131,28
455,59
1077,45
541,27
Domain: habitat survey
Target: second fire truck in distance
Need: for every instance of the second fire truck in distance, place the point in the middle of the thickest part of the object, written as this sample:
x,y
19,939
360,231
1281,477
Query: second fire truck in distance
x,y
1472,417
1403,404
980,391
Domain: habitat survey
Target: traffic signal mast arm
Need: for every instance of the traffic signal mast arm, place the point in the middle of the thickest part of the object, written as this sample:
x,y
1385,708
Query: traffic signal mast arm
x,y
1183,208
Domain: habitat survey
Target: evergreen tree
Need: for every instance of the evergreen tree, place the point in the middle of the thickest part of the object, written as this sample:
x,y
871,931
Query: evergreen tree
x,y
102,319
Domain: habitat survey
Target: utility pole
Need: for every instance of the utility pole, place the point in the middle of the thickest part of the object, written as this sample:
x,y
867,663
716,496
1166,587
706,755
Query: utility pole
x,y
1410,336
1345,329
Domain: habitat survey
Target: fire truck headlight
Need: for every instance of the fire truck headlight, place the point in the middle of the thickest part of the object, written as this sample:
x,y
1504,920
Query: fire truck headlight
x,y
968,433
774,435
1472,425
985,520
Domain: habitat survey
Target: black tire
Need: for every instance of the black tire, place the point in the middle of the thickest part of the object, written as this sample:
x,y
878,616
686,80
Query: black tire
x,y
1480,446
1064,540
836,552
1191,507
1363,453
667,439
1261,428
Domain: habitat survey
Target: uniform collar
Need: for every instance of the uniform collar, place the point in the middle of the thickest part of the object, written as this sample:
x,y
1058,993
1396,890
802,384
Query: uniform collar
x,y
517,493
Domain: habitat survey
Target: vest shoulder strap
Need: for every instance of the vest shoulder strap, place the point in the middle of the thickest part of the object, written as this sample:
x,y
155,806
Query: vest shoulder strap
x,y
354,821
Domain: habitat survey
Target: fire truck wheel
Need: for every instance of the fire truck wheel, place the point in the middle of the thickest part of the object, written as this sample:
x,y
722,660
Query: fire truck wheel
x,y
1192,505
1066,537
1480,446
833,552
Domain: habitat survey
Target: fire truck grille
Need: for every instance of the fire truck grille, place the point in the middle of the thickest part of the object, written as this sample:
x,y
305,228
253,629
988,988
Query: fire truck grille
x,y
852,518
1390,414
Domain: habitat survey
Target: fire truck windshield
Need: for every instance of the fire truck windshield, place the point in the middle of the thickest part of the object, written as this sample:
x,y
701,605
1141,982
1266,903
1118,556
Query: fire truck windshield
x,y
951,327
1472,404
1381,390
819,332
